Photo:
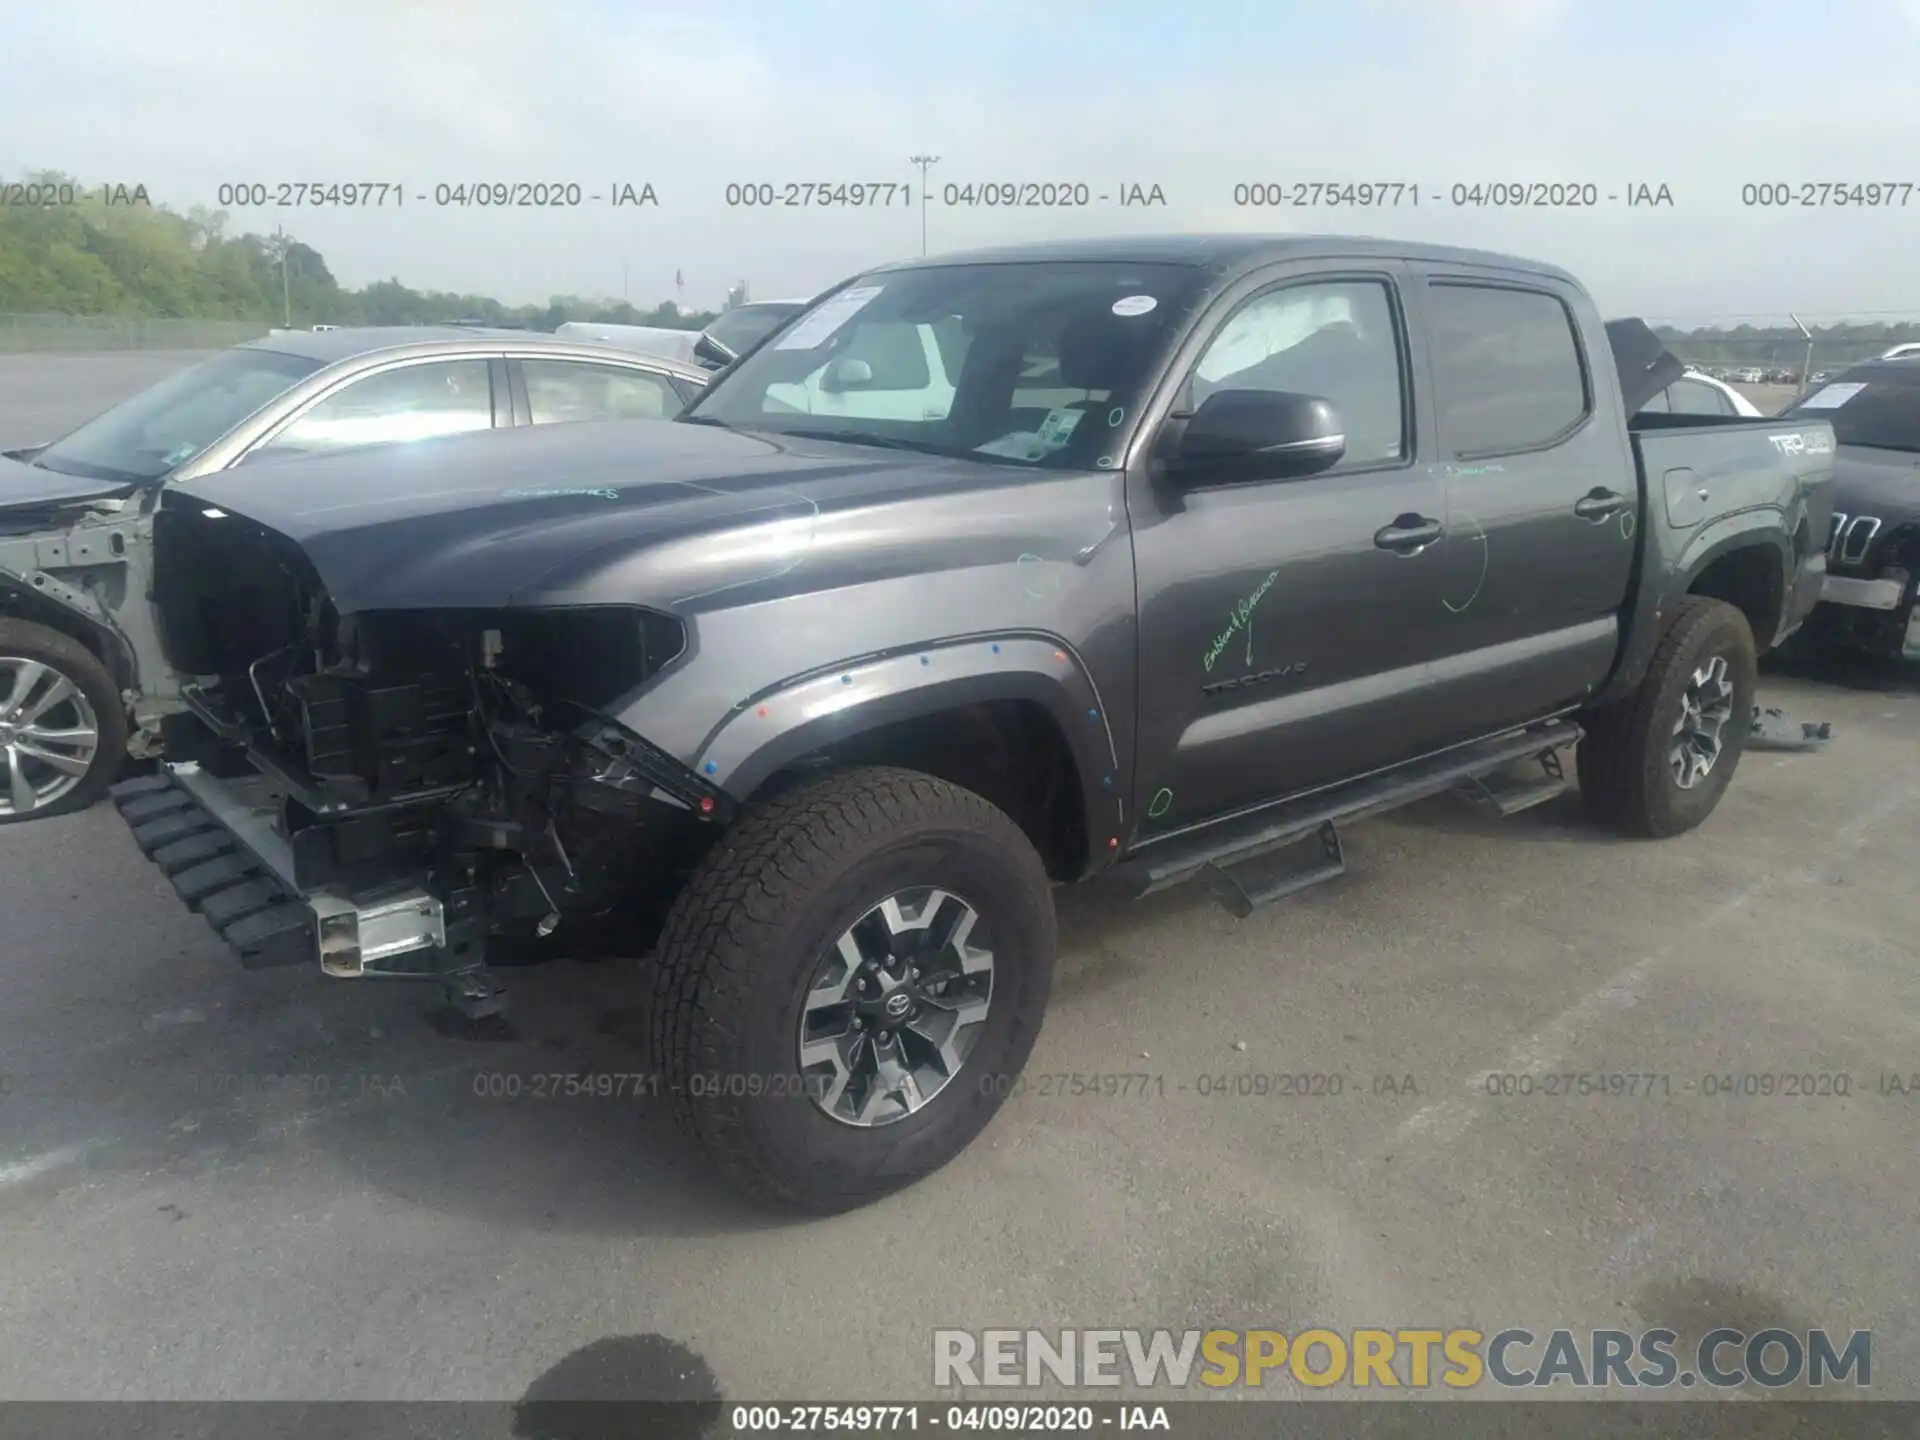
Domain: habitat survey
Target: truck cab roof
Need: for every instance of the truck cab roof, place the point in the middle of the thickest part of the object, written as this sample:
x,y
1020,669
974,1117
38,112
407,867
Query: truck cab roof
x,y
1235,252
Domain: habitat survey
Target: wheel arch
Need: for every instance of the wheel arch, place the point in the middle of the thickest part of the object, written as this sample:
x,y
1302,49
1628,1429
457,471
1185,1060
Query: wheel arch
x,y
1709,557
1749,572
994,714
34,604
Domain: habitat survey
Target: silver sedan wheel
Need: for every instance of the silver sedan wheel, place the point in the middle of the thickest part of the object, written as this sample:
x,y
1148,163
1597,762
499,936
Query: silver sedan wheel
x,y
894,1008
48,735
1699,735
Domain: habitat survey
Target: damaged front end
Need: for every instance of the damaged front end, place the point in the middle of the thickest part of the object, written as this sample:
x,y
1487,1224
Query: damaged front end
x,y
384,794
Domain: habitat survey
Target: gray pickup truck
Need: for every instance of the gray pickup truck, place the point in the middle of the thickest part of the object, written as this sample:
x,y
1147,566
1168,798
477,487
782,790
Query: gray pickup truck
x,y
1147,559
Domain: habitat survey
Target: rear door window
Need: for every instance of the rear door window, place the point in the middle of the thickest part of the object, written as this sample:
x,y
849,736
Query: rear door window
x,y
1508,371
559,391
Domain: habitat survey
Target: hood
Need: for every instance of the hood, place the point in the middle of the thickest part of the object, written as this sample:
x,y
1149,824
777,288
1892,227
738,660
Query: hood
x,y
1643,362
503,518
30,487
1885,483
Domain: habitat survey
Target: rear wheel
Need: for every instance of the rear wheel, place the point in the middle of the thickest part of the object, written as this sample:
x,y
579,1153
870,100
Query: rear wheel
x,y
63,728
849,984
1657,762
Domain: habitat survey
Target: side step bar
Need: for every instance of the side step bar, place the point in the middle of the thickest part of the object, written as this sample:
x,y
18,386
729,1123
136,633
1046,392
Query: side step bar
x,y
1246,885
1503,795
1224,857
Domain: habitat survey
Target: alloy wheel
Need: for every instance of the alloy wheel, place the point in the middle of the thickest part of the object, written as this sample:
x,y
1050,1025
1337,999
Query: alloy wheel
x,y
895,1006
48,735
1699,735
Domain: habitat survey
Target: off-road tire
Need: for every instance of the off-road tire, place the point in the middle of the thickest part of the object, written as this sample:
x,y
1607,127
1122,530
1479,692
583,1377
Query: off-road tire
x,y
26,640
743,940
1625,778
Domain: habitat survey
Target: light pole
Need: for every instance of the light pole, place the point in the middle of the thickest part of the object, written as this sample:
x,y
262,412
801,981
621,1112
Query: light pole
x,y
925,162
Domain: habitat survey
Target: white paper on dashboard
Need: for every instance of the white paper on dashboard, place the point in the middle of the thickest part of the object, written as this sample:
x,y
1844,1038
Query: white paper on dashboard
x,y
832,314
1831,398
1021,445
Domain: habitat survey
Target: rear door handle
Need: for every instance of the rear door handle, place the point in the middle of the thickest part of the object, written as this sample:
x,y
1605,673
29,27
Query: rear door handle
x,y
1409,534
1597,505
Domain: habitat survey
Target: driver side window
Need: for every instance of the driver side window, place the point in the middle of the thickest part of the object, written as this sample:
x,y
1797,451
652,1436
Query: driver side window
x,y
1334,339
412,402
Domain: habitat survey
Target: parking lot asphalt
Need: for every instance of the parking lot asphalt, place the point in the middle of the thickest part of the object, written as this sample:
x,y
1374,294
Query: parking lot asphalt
x,y
44,396
222,1185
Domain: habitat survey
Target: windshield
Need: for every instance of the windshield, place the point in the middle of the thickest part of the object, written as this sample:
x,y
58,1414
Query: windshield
x,y
166,425
742,329
1878,407
1028,363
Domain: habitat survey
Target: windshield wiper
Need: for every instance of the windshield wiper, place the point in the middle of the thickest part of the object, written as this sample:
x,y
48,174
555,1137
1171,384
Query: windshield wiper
x,y
704,420
861,437
85,470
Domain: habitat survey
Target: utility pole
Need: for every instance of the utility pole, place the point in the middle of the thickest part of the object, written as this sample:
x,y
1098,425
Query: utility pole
x,y
925,162
286,295
1806,367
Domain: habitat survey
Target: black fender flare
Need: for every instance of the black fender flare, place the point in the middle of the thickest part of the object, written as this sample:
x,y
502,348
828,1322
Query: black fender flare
x,y
770,730
1748,530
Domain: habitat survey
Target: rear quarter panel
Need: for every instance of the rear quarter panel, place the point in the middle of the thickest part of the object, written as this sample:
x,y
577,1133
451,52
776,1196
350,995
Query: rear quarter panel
x,y
1712,489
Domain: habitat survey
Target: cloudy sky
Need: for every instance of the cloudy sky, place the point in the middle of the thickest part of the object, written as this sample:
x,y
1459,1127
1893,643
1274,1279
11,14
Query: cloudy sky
x,y
1194,97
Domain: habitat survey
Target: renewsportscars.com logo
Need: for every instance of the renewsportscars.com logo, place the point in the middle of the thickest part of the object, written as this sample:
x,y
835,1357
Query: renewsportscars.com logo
x,y
1399,1359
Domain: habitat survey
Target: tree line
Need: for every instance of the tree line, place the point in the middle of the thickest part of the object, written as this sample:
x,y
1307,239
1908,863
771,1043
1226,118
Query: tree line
x,y
99,254
92,257
1782,347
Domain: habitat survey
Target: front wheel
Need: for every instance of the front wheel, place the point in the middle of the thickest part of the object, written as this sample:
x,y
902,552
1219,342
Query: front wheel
x,y
63,727
849,984
1656,762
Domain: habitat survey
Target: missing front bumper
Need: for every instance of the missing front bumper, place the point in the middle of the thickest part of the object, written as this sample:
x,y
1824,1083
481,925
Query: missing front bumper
x,y
219,847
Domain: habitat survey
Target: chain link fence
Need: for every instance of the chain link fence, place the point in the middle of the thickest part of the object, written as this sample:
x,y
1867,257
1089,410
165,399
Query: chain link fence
x,y
47,334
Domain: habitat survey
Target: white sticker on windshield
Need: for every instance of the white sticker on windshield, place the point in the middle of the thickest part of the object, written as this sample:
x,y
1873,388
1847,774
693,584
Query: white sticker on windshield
x,y
1057,428
818,327
1831,398
1134,305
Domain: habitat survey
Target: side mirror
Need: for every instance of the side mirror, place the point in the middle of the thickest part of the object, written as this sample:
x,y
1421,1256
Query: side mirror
x,y
710,352
1259,435
846,374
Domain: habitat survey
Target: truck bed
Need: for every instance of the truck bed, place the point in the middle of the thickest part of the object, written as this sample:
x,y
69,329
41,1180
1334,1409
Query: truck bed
x,y
1711,484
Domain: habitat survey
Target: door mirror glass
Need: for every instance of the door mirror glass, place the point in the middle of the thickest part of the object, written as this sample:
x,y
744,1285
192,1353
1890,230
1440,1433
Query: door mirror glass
x,y
1259,435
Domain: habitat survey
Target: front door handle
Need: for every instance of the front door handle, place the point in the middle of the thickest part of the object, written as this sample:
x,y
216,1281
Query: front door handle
x,y
1598,504
1409,534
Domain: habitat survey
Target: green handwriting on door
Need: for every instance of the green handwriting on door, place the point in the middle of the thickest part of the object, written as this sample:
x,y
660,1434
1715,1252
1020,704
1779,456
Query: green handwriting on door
x,y
1239,620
